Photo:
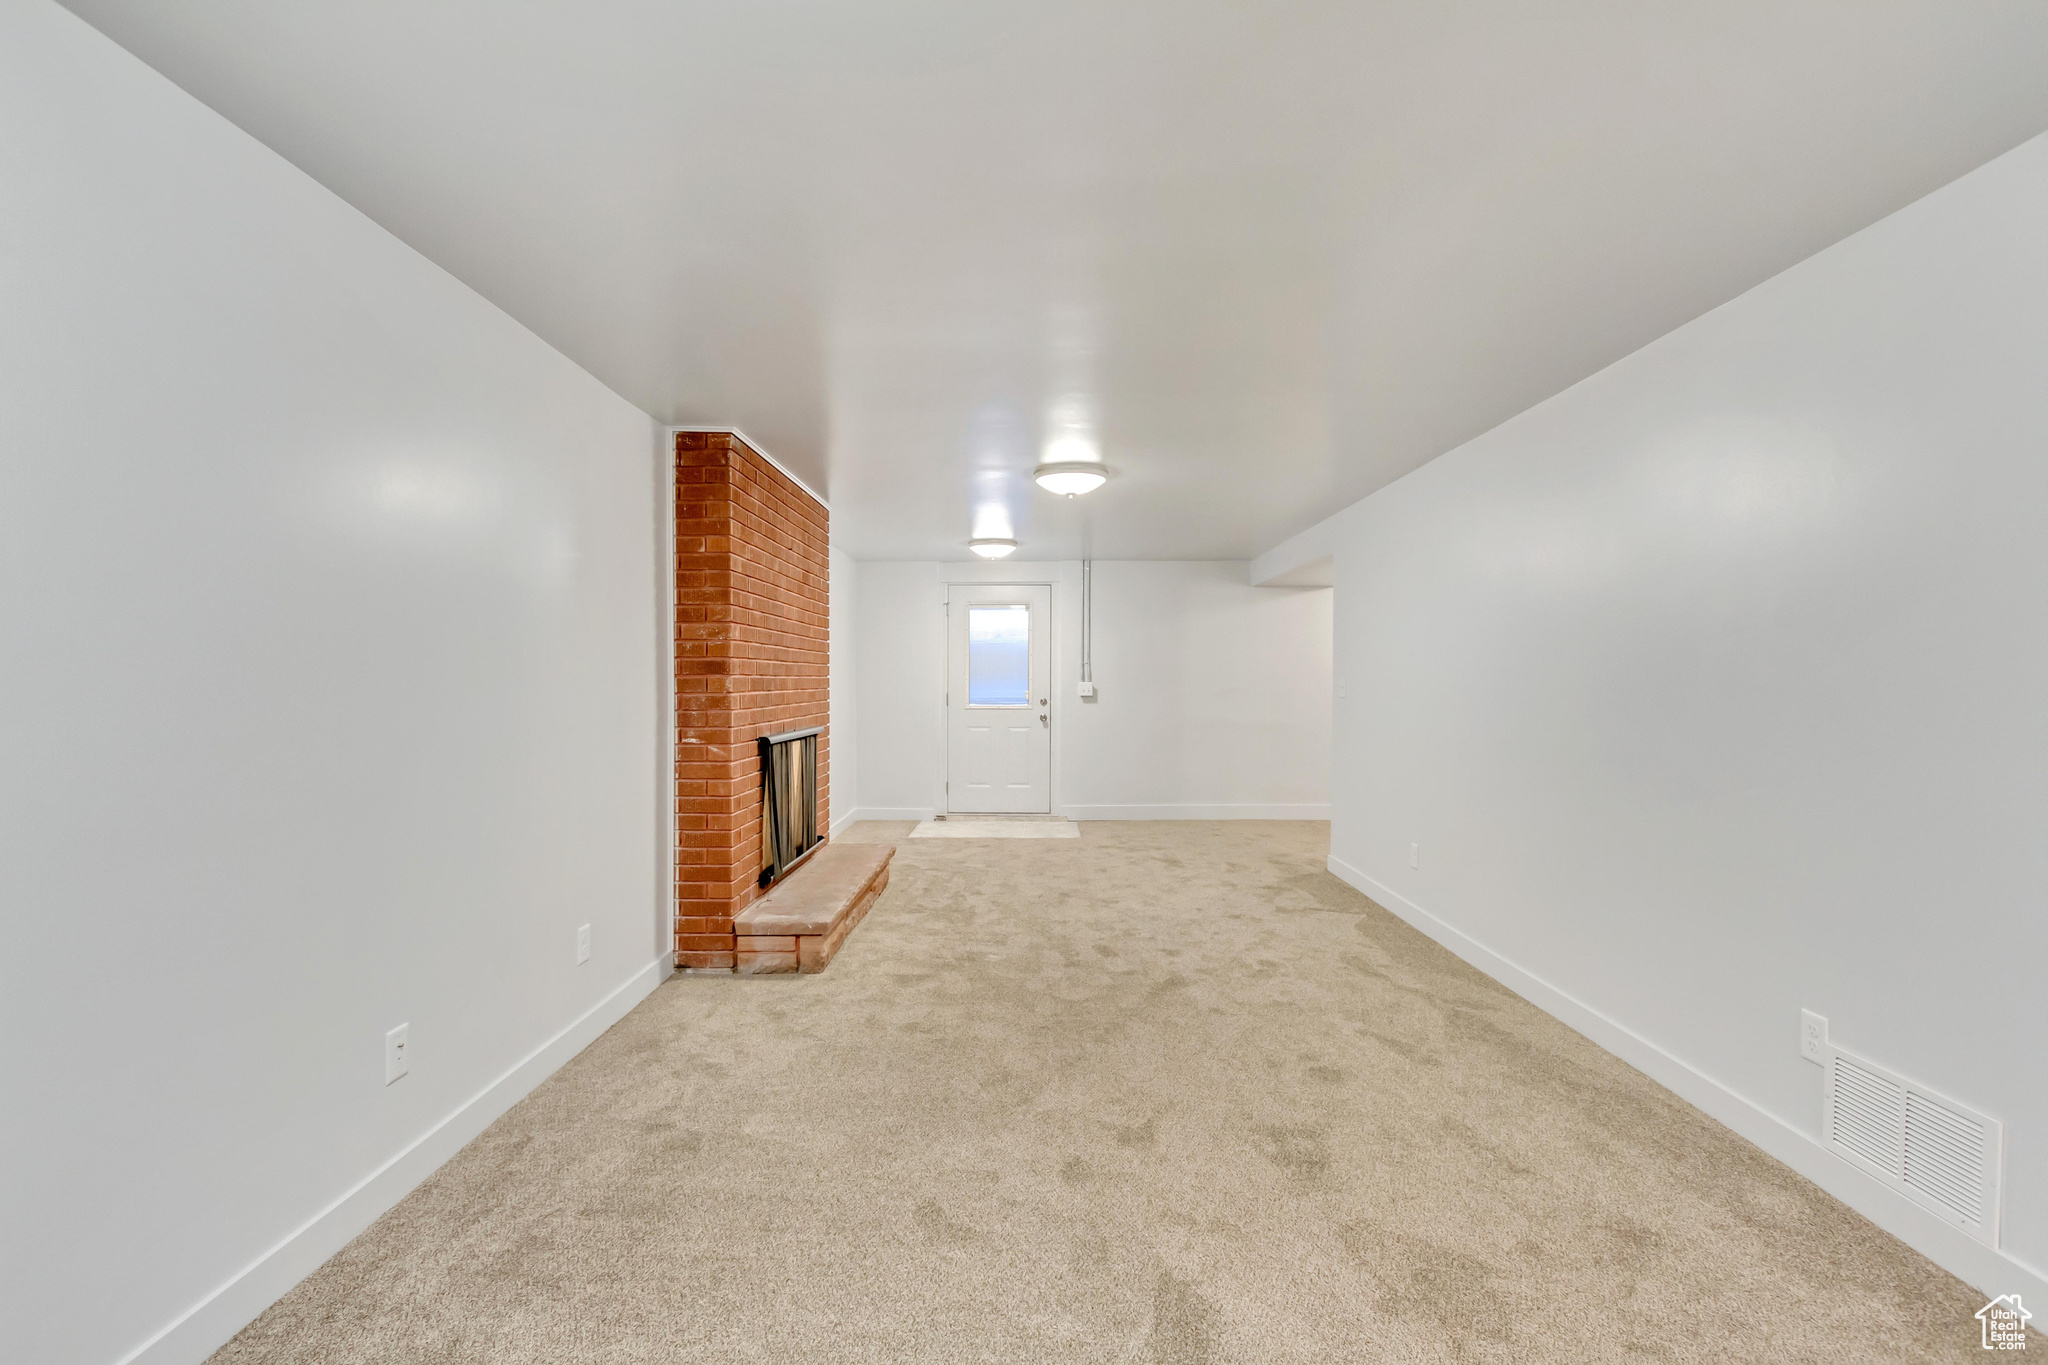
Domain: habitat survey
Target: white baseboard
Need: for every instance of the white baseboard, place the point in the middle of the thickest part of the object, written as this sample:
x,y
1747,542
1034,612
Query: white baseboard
x,y
1992,1272
1185,812
838,826
891,813
206,1327
1198,812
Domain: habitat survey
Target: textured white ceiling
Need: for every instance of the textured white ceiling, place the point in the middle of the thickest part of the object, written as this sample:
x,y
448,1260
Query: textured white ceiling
x,y
1268,256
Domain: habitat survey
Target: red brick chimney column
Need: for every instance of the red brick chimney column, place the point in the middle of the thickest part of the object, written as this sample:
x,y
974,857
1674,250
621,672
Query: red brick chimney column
x,y
751,636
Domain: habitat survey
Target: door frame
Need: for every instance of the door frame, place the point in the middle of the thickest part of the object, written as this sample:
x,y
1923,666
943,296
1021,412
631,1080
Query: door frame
x,y
1060,577
957,671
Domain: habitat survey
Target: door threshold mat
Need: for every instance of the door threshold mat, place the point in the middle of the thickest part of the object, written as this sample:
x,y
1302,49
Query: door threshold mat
x,y
996,829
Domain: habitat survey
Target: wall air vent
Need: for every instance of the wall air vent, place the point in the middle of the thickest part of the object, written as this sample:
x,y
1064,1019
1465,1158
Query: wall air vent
x,y
1869,1112
1941,1155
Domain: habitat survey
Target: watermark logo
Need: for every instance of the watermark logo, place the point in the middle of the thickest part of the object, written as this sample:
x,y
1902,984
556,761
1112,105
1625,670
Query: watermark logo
x,y
2005,1323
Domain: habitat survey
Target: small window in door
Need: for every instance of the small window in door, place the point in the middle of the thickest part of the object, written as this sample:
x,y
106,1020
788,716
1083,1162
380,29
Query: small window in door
x,y
999,656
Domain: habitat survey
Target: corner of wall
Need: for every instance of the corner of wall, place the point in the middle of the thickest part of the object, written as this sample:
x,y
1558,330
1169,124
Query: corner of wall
x,y
1990,1271
214,1320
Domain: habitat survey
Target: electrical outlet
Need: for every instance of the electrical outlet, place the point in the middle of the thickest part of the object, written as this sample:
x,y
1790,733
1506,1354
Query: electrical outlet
x,y
1415,855
396,1061
1087,689
1813,1037
583,944
1340,691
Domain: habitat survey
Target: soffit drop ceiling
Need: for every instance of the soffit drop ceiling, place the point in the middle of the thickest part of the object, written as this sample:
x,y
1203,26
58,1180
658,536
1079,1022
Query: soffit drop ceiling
x,y
1268,257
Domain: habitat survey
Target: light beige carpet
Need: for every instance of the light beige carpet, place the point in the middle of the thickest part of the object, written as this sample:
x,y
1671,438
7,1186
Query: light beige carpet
x,y
1163,1093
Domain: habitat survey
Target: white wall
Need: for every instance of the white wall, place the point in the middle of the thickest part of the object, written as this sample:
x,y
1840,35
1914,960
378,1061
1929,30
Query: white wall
x,y
1713,688
842,622
900,665
1213,696
328,650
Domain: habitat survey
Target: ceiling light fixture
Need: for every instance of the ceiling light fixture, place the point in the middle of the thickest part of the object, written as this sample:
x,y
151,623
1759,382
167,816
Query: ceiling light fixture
x,y
990,548
1071,478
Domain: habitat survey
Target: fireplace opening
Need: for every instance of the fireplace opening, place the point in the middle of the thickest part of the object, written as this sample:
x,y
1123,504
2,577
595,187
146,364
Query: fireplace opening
x,y
789,797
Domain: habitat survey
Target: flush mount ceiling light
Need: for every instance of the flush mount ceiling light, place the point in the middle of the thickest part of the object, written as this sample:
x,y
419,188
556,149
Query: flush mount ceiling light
x,y
1071,478
990,548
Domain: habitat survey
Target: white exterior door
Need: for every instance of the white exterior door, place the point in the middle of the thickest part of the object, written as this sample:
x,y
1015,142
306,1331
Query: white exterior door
x,y
998,727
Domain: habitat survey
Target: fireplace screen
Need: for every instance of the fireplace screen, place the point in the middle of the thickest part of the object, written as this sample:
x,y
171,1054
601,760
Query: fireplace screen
x,y
789,800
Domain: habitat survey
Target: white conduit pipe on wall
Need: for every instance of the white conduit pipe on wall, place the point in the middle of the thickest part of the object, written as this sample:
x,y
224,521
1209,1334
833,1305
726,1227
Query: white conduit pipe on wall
x,y
1087,627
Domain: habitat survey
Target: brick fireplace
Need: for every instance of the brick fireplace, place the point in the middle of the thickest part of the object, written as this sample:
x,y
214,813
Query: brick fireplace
x,y
751,571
